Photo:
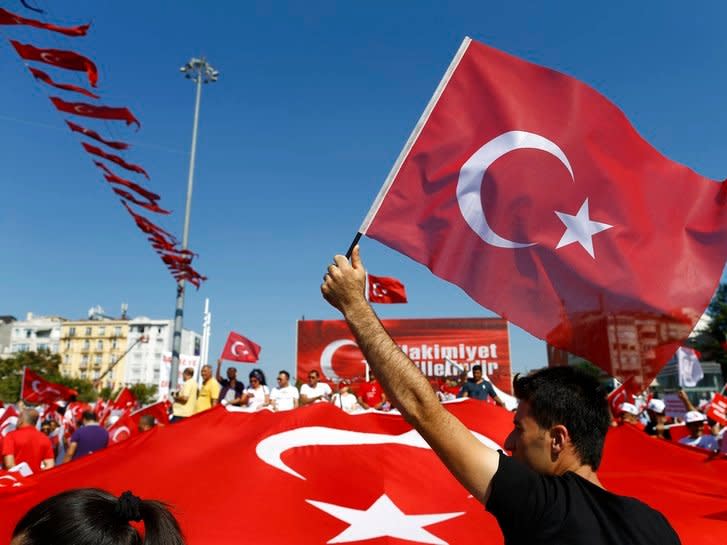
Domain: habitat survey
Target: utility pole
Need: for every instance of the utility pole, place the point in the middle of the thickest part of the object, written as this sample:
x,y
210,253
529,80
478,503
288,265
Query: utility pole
x,y
199,71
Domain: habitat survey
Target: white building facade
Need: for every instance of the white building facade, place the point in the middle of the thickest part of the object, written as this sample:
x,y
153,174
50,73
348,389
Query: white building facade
x,y
35,334
144,361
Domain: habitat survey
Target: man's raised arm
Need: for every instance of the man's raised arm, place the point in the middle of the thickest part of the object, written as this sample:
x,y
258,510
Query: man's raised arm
x,y
471,462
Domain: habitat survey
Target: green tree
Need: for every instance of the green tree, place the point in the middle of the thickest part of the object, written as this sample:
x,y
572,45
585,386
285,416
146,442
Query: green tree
x,y
711,341
45,364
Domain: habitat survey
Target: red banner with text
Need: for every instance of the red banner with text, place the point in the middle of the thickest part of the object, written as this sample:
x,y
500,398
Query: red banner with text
x,y
436,345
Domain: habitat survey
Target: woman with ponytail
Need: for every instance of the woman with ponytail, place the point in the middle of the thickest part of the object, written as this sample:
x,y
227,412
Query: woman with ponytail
x,y
90,516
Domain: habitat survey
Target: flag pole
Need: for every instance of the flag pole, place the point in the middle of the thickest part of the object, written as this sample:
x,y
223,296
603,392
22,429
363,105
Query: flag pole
x,y
353,245
22,384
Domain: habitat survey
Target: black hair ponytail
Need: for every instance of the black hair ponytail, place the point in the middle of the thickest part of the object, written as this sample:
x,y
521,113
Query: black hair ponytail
x,y
90,516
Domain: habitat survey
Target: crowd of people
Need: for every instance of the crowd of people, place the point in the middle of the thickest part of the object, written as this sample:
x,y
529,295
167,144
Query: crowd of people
x,y
694,429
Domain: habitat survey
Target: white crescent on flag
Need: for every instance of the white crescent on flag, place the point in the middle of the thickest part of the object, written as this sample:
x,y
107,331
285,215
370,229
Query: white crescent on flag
x,y
271,449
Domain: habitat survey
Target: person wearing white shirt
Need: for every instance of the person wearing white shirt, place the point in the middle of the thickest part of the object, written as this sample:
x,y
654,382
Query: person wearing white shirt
x,y
314,391
257,395
345,400
284,397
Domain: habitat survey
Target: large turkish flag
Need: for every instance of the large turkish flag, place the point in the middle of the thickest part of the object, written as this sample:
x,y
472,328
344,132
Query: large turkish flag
x,y
38,390
318,475
534,194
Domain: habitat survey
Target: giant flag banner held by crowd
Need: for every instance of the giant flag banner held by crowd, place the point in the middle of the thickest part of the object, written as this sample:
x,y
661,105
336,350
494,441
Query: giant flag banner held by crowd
x,y
318,475
534,194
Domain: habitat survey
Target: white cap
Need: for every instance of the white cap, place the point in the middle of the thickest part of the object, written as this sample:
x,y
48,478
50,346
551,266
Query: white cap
x,y
694,416
629,408
656,405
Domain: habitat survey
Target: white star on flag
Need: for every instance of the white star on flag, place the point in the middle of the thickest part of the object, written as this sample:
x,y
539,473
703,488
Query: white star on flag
x,y
383,518
580,229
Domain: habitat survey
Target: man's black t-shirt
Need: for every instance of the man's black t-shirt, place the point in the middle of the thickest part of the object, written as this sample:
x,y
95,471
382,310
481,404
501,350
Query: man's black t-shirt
x,y
569,510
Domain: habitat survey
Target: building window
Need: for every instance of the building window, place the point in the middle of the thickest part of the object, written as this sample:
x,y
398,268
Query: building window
x,y
71,331
66,359
68,345
88,331
160,340
117,331
159,330
97,359
101,331
22,347
28,333
99,346
83,374
96,374
84,360
43,347
114,344
86,344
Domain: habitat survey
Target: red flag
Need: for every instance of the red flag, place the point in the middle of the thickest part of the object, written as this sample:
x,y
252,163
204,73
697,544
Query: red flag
x,y
45,78
8,421
38,390
96,136
534,194
114,159
97,112
384,289
620,395
239,348
150,205
718,410
7,18
147,226
114,179
285,453
157,410
122,429
61,58
125,400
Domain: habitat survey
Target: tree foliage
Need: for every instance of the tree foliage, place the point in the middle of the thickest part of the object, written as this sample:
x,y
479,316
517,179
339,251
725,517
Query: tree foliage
x,y
711,341
45,364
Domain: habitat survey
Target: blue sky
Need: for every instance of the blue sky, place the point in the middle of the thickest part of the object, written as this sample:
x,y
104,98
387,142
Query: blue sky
x,y
314,103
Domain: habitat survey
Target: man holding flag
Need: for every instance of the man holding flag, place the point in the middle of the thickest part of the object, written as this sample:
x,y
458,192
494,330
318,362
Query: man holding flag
x,y
548,492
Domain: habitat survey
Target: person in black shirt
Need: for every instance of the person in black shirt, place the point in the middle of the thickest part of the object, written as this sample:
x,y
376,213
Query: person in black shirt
x,y
548,492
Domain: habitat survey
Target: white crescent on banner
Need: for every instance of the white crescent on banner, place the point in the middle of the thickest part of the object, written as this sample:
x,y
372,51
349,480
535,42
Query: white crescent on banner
x,y
327,358
271,449
47,389
234,346
378,292
49,57
81,109
472,173
117,431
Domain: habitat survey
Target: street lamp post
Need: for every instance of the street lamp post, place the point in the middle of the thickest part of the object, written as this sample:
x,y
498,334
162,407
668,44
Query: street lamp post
x,y
199,71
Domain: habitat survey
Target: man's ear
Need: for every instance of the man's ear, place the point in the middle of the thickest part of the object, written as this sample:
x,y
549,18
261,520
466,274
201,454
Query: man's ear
x,y
559,438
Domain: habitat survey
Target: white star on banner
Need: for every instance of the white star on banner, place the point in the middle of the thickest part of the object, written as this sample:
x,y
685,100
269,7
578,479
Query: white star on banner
x,y
383,519
580,229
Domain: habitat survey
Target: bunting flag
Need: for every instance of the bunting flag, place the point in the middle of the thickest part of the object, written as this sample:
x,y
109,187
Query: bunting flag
x,y
147,226
390,487
114,159
150,205
61,58
45,78
114,179
7,18
75,127
111,113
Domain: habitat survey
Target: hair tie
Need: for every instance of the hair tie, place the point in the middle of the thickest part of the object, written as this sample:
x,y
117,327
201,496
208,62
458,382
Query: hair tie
x,y
128,507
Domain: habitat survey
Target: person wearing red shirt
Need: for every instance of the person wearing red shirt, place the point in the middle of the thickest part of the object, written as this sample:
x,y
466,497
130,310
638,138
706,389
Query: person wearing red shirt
x,y
371,395
27,444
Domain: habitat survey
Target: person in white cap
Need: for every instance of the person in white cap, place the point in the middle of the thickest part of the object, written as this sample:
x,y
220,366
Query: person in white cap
x,y
696,438
656,409
629,414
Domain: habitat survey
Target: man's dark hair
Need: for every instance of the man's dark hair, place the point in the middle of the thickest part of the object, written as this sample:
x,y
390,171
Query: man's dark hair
x,y
188,372
477,367
90,516
88,416
572,398
287,375
147,420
